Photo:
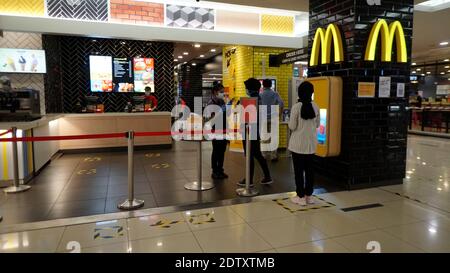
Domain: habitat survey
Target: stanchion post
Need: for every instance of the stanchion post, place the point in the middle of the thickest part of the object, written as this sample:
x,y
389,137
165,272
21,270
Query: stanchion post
x,y
131,203
199,185
247,191
17,187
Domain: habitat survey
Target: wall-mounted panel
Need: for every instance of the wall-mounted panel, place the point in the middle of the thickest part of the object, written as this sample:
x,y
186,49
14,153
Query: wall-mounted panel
x,y
23,7
237,21
190,17
277,25
93,10
136,12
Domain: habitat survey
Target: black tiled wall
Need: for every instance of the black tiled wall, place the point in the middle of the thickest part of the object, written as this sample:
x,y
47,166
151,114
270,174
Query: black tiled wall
x,y
374,134
68,77
191,81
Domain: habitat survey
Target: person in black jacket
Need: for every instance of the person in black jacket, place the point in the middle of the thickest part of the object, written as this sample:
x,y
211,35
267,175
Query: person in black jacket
x,y
220,144
253,86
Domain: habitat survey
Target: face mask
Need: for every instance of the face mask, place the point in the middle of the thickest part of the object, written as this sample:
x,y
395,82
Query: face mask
x,y
147,93
221,96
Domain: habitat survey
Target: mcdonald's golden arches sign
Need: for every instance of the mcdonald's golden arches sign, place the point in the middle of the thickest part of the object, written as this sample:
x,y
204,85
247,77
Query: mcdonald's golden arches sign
x,y
325,39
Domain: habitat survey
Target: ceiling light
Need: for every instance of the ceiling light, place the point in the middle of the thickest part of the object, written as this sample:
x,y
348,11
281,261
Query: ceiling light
x,y
185,53
418,69
175,60
202,56
194,64
447,66
443,43
433,5
197,45
180,57
442,73
213,50
423,75
447,60
414,72
414,64
428,72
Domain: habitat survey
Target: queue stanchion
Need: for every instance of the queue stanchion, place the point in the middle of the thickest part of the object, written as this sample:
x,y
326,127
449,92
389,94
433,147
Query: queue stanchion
x,y
131,203
17,187
247,191
199,185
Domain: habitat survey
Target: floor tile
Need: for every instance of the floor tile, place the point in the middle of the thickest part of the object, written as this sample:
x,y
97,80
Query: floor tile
x,y
40,241
286,231
122,189
178,243
335,223
95,234
321,246
77,208
358,243
259,211
424,236
233,239
407,207
383,217
156,226
113,202
110,248
211,218
81,194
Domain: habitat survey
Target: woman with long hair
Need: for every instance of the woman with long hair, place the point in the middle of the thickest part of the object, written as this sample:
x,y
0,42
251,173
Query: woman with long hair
x,y
305,119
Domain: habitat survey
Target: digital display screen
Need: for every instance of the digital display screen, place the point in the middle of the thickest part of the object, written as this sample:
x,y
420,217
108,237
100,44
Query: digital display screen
x,y
14,60
101,73
122,75
144,74
322,130
274,85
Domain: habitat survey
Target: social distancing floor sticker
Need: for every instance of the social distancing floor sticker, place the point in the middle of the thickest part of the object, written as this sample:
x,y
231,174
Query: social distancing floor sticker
x,y
320,203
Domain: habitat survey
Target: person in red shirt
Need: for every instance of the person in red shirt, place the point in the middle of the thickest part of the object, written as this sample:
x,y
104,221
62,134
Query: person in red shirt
x,y
150,99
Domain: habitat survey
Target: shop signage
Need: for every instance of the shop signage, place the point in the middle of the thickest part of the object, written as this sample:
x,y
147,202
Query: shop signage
x,y
366,90
323,40
388,33
293,56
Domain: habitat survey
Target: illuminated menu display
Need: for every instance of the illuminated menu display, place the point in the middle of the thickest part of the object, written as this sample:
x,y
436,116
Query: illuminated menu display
x,y
101,73
122,75
144,74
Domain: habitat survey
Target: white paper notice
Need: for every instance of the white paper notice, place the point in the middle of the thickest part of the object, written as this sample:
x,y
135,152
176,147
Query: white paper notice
x,y
384,90
400,90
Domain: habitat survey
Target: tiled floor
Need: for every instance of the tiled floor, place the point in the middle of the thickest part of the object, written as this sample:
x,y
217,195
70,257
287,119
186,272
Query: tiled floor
x,y
87,184
261,226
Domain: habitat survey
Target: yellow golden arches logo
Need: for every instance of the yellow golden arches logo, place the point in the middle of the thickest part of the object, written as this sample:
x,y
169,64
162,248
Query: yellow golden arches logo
x,y
388,33
322,43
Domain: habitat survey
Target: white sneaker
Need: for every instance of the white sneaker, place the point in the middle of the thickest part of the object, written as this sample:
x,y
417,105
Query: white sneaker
x,y
299,201
310,200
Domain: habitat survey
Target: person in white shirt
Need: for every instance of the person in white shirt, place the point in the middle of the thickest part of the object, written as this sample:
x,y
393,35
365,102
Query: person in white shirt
x,y
305,119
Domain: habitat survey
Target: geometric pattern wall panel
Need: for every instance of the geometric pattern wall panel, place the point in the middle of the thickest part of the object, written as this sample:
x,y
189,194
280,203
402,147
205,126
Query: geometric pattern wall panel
x,y
75,76
23,7
28,41
190,17
277,25
237,21
92,10
136,12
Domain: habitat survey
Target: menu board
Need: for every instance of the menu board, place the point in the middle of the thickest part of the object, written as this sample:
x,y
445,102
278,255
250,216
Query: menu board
x,y
322,130
14,60
122,75
144,74
101,73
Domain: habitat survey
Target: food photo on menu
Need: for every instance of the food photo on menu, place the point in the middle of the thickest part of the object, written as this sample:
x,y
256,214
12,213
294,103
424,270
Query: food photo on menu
x,y
22,60
144,74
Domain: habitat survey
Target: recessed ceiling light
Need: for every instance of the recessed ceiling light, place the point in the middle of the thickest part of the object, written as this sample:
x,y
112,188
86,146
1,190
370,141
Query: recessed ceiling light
x,y
213,50
447,66
414,72
202,56
175,60
185,53
428,72
194,64
423,75
442,73
432,5
418,69
180,57
414,64
197,45
447,60
443,43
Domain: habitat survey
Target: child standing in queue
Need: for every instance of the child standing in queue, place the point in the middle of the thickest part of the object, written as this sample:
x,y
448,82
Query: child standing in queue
x,y
305,119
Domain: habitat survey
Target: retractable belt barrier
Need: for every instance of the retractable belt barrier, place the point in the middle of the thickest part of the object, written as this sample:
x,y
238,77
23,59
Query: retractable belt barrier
x,y
129,204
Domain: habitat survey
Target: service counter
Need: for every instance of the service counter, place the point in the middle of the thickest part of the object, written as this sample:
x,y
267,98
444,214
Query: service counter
x,y
34,156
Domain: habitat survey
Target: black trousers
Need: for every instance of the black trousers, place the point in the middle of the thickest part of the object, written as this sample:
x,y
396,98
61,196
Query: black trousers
x,y
304,174
218,155
255,153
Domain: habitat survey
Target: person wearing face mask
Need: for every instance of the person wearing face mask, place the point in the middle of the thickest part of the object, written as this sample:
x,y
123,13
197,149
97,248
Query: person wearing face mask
x,y
220,144
150,100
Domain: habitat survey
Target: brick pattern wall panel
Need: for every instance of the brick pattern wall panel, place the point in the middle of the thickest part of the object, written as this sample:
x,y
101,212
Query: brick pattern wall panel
x,y
28,41
190,17
136,12
373,138
277,25
92,10
75,76
23,7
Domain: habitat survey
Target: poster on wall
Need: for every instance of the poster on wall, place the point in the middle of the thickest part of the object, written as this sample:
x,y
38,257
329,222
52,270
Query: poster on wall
x,y
400,90
384,89
101,73
14,60
144,74
366,89
122,75
443,90
322,130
